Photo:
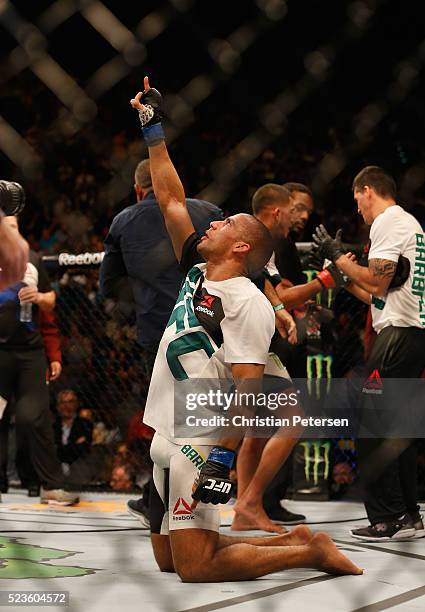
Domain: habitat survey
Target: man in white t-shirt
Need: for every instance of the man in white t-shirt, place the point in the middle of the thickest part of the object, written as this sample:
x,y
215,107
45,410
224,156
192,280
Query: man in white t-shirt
x,y
229,335
393,284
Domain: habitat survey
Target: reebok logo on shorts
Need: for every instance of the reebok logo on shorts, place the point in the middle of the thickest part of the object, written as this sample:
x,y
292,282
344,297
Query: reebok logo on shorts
x,y
182,511
373,384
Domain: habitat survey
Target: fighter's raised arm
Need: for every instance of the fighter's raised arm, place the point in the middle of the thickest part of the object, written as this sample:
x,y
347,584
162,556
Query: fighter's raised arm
x,y
167,185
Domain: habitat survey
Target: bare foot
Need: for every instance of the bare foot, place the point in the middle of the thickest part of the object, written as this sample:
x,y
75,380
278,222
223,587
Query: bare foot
x,y
248,519
298,536
329,559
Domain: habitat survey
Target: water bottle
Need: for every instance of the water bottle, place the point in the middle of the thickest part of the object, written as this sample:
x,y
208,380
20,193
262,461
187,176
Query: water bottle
x,y
25,315
31,280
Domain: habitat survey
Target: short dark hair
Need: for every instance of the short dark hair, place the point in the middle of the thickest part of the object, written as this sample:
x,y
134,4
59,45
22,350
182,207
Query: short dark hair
x,y
142,174
292,187
269,195
259,237
376,177
66,392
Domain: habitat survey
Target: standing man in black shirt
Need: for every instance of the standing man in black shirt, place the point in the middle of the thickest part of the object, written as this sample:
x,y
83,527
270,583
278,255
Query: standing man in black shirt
x,y
23,369
287,257
281,212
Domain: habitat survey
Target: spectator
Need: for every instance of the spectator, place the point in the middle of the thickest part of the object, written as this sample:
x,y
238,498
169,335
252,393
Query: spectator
x,y
102,436
23,368
122,470
73,433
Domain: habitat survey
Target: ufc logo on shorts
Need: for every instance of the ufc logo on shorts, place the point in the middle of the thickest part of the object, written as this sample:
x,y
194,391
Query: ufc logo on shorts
x,y
223,487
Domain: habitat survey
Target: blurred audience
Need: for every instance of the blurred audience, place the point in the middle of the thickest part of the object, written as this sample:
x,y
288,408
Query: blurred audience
x,y
73,433
132,464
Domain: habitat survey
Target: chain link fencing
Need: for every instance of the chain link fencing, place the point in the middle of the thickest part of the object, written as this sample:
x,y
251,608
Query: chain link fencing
x,y
109,372
104,365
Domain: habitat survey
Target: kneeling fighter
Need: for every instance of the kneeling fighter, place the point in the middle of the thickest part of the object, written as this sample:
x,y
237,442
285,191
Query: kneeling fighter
x,y
236,344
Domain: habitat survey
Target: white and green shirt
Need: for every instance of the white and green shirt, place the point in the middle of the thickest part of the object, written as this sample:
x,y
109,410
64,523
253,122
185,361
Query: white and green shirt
x,y
393,233
213,324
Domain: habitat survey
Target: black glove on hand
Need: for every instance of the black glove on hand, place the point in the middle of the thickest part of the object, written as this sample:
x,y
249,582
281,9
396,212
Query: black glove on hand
x,y
401,274
328,247
314,260
332,278
213,485
152,113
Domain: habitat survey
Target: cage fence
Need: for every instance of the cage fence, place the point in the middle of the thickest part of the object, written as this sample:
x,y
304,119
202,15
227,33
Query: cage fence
x,y
109,372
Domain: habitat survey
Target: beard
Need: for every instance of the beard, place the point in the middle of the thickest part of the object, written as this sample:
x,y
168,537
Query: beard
x,y
202,249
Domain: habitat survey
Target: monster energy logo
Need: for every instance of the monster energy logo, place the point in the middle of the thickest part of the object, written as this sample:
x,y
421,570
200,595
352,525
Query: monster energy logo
x,y
323,369
311,275
315,459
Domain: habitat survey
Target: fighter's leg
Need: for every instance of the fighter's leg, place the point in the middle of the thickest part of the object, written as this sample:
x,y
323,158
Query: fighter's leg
x,y
162,552
198,557
195,541
300,534
162,547
249,510
249,457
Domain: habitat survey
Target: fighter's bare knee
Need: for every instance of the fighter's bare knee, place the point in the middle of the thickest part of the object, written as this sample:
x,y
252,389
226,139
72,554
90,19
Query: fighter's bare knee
x,y
193,551
162,552
191,572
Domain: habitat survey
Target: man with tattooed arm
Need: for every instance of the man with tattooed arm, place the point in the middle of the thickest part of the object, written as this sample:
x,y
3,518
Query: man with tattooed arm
x,y
393,284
